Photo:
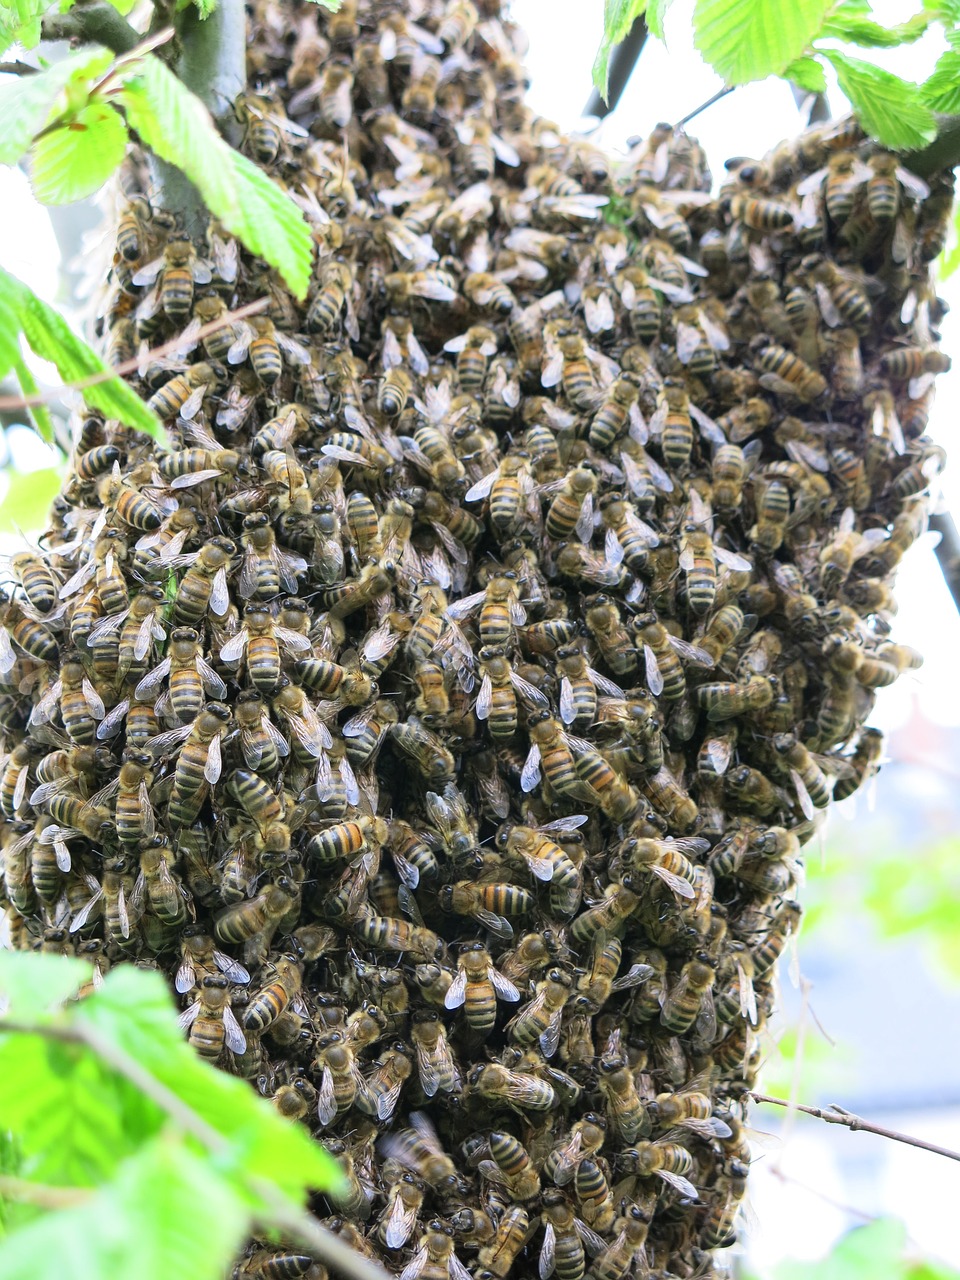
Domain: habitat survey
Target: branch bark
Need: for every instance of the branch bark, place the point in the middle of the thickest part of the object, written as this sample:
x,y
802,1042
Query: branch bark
x,y
94,23
835,1114
622,62
213,65
942,153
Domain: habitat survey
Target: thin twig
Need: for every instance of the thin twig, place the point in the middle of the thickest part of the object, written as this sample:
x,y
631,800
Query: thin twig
x,y
721,93
42,1195
130,366
17,69
281,1214
835,1114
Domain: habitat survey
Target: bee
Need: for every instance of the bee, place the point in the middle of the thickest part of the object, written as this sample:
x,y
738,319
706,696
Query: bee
x,y
519,1090
473,350
37,580
434,761
374,581
266,569
435,1258
490,904
419,1149
199,762
347,839
666,1159
662,652
436,1067
210,1020
565,1239
257,916
571,511
189,675
545,860
284,981
500,684
760,214
263,642
511,1166
340,1078
729,1189
617,1257
389,933
204,585
178,270
402,1211
538,1022
603,621
785,373
496,1259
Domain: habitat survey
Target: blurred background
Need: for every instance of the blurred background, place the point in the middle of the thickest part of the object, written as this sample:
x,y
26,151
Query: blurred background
x,y
875,1021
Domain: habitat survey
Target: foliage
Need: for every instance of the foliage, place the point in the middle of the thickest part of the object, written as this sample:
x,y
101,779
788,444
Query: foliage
x,y
105,1106
50,337
746,40
74,118
880,1248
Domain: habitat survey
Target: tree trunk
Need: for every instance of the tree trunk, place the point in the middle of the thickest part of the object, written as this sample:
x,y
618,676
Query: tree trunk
x,y
474,670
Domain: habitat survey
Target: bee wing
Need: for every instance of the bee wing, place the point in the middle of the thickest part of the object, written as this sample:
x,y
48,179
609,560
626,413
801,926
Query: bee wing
x,y
326,1099
732,560
503,986
683,888
604,685
813,182
550,1037
232,651
152,682
548,1252
612,549
212,682
414,1268
568,710
530,775
690,652
679,1183
593,1243
93,700
499,926
688,341
295,352
463,608
636,974
162,743
708,427
231,968
292,640
77,580
240,347
214,763
528,692
148,273
803,795
146,812
503,151
654,676
748,997
707,1017
419,361
584,525
233,1034
192,404
400,1221
552,369
457,991
481,489
828,308
189,1016
186,976
484,699
83,915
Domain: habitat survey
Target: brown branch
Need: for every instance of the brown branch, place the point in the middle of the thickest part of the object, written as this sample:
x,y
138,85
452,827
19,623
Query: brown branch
x,y
94,23
130,366
835,1114
17,69
280,1213
42,1195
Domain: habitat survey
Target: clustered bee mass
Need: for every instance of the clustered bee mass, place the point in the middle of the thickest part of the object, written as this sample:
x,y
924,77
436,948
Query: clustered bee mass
x,y
446,713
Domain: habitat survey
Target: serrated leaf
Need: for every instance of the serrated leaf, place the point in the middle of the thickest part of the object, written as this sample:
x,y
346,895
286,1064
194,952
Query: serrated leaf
x,y
74,159
851,22
166,1214
618,17
26,503
807,74
36,983
655,11
890,109
941,92
177,126
750,39
20,22
26,101
51,338
9,335
134,1010
39,413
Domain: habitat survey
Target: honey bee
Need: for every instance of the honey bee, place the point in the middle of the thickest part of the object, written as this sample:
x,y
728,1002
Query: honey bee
x,y
662,652
518,1090
435,1258
402,1211
666,1159
178,270
538,1022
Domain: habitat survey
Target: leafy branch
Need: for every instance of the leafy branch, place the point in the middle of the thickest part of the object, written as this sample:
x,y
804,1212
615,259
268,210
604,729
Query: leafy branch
x,y
123,1130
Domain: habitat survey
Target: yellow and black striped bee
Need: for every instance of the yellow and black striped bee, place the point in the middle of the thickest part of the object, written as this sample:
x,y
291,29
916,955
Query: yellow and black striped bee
x,y
178,270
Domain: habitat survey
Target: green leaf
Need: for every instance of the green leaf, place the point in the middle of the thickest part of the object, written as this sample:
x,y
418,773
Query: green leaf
x,y
851,22
618,17
51,338
135,1011
178,127
655,14
34,983
165,1215
807,74
890,109
941,92
123,6
331,6
26,101
74,159
9,331
42,418
751,39
20,22
25,504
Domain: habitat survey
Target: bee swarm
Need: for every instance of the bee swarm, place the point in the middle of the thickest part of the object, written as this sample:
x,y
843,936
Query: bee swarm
x,y
446,713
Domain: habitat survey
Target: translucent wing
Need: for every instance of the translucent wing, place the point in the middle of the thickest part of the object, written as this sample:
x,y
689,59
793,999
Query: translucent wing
x,y
457,991
503,986
214,763
679,1183
233,1034
654,676
568,710
681,887
189,1016
530,775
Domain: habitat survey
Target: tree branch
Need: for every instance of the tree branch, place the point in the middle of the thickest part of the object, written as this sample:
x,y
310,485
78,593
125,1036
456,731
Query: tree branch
x,y
213,65
622,62
42,1195
942,153
835,1114
94,23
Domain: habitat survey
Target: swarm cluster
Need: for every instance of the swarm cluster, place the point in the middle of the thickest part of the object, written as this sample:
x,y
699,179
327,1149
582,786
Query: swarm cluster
x,y
445,714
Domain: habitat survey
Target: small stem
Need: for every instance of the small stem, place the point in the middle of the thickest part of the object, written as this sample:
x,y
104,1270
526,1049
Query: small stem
x,y
17,69
835,1114
947,552
95,23
721,93
42,1195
